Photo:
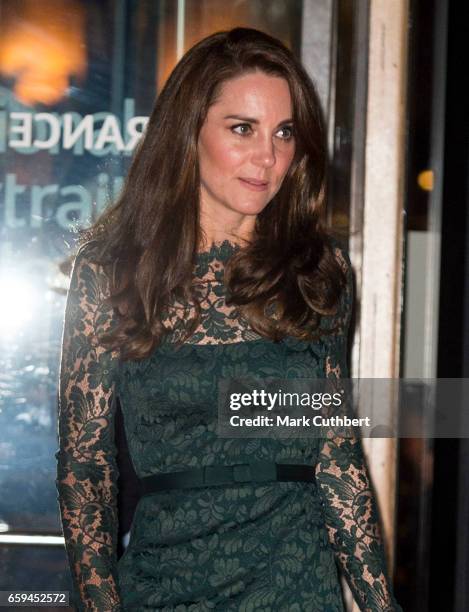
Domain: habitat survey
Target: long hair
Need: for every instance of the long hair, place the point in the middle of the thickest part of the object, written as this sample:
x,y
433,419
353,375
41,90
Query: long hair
x,y
148,239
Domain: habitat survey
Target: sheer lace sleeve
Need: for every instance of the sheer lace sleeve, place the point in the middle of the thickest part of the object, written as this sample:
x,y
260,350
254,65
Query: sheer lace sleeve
x,y
86,460
344,485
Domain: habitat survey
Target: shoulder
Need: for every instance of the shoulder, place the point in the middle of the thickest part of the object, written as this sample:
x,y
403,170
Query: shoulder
x,y
342,317
342,258
89,311
340,254
88,270
88,254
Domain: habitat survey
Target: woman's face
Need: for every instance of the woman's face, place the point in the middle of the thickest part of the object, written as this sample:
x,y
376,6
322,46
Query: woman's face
x,y
245,146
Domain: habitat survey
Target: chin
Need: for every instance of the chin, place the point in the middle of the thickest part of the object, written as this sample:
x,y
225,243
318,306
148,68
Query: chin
x,y
250,208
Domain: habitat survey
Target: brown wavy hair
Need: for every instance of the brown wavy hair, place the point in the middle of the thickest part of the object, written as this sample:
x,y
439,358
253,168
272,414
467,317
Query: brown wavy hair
x,y
149,238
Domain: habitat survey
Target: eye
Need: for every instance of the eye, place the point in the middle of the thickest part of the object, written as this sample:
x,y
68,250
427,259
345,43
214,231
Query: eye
x,y
242,129
287,132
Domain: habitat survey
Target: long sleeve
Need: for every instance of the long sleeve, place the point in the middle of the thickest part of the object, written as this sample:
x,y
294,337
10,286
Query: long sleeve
x,y
86,460
350,508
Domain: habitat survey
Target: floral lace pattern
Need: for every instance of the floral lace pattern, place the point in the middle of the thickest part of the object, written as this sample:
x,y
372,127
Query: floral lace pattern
x,y
350,508
86,459
246,547
219,322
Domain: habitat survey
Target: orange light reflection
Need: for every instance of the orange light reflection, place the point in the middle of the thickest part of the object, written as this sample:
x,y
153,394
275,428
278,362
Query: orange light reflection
x,y
41,47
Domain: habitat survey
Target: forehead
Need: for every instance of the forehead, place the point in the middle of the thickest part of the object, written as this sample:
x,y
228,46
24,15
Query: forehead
x,y
256,92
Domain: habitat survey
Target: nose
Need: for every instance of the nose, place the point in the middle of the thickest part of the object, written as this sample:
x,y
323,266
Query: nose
x,y
264,153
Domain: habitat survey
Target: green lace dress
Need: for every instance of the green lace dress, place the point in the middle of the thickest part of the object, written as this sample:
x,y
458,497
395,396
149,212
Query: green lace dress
x,y
273,546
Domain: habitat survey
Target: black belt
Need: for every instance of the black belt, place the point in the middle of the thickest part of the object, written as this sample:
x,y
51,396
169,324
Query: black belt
x,y
256,471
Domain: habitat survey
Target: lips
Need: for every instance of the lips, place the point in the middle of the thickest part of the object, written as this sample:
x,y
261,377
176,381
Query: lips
x,y
254,184
252,181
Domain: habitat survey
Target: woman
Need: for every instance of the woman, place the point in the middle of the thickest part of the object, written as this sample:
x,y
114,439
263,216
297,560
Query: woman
x,y
214,264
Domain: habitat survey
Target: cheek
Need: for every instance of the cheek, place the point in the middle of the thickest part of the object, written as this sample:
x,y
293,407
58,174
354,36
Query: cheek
x,y
286,160
218,153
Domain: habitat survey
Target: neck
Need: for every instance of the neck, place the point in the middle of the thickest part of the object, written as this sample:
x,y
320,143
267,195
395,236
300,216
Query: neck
x,y
238,231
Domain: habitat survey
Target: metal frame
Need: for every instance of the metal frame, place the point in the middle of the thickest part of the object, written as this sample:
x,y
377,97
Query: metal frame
x,y
383,230
377,182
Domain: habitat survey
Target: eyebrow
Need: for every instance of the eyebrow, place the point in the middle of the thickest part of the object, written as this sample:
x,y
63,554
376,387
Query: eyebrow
x,y
252,120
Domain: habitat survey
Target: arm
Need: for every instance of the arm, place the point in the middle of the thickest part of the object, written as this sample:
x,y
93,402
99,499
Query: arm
x,y
86,460
351,512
